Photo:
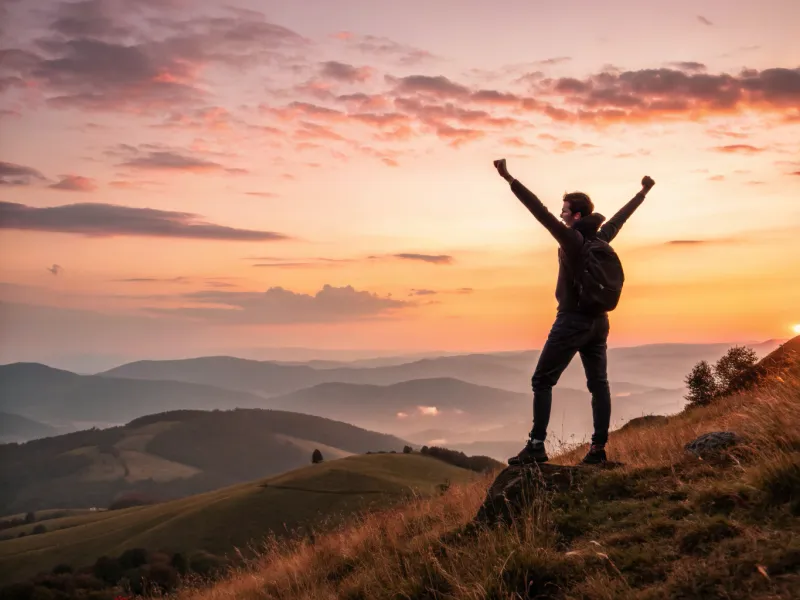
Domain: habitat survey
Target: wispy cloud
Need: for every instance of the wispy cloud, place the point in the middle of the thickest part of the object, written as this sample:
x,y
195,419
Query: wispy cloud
x,y
738,149
704,20
106,220
13,174
55,269
384,48
438,259
75,183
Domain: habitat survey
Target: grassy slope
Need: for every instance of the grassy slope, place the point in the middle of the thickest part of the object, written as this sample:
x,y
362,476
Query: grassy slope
x,y
234,516
667,525
171,455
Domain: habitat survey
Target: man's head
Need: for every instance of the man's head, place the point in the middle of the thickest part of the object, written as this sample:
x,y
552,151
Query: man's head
x,y
576,205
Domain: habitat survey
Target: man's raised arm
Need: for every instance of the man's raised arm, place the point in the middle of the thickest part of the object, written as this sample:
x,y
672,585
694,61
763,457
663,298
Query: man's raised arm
x,y
561,232
611,228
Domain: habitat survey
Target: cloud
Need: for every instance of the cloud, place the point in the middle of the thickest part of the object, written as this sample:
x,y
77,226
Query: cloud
x,y
438,259
558,60
381,47
700,242
165,160
262,194
704,21
345,73
100,56
154,280
648,94
438,86
689,66
465,290
55,269
717,178
738,148
280,306
107,220
12,174
75,183
428,411
422,292
402,415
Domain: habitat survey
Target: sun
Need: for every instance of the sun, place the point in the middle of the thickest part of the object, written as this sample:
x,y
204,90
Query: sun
x,y
796,328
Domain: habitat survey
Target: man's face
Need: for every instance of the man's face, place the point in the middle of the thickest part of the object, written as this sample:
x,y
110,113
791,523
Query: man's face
x,y
567,216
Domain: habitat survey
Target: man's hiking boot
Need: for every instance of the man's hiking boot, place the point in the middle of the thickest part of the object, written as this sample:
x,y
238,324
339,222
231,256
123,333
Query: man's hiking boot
x,y
533,452
595,456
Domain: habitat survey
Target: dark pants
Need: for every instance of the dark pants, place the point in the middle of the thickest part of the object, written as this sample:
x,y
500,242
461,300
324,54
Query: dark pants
x,y
571,333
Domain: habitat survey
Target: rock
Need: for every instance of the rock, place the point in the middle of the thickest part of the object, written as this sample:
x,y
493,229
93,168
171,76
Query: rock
x,y
518,487
712,444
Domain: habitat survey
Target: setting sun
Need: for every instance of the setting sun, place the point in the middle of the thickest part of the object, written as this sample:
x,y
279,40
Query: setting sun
x,y
796,328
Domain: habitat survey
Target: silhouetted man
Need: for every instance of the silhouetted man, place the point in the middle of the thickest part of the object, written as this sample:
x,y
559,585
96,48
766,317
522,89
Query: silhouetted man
x,y
575,330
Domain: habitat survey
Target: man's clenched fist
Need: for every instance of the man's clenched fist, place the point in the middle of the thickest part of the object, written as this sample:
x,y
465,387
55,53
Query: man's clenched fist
x,y
647,182
500,165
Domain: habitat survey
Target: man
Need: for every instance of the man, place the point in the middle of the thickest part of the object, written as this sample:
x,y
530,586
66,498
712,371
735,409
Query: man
x,y
574,330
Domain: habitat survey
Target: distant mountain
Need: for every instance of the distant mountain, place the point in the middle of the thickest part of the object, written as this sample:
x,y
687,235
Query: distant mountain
x,y
271,378
230,518
59,397
648,366
170,455
14,428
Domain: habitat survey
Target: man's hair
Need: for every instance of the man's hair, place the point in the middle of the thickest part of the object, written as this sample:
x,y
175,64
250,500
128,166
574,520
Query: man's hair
x,y
579,203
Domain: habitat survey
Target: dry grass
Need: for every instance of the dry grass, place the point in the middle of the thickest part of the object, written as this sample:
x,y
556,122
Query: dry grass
x,y
667,525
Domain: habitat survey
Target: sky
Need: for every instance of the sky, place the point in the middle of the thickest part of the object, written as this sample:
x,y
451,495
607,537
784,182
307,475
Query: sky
x,y
181,178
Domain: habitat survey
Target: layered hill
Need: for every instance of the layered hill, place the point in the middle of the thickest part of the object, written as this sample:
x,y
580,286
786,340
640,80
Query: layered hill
x,y
650,366
54,396
170,455
14,428
232,517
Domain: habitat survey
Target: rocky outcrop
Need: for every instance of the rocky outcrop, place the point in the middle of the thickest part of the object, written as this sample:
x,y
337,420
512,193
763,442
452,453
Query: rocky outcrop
x,y
518,487
714,444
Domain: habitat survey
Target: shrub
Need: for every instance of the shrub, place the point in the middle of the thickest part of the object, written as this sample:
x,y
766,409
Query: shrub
x,y
701,383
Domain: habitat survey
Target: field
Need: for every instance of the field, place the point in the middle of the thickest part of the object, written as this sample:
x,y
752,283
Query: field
x,y
233,517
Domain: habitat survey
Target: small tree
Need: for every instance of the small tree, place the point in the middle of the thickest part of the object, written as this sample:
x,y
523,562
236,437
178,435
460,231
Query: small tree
x,y
701,383
316,457
407,450
734,363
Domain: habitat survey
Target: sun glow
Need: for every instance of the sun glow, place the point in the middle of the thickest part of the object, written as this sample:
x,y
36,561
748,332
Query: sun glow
x,y
796,328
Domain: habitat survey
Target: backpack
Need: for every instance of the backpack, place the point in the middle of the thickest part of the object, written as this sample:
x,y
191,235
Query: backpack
x,y
599,282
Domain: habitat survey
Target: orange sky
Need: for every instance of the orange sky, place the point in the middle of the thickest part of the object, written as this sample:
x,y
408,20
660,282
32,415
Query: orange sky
x,y
181,178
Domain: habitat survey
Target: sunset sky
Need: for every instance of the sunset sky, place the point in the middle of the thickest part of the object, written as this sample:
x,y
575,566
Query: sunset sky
x,y
188,177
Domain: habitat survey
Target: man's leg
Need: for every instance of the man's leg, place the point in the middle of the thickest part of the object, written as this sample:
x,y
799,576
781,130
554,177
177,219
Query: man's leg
x,y
568,334
595,364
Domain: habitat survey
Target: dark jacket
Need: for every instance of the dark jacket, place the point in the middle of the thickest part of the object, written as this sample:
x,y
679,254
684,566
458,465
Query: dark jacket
x,y
570,239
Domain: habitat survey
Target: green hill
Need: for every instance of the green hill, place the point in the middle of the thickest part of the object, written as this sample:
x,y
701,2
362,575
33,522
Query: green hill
x,y
171,455
229,518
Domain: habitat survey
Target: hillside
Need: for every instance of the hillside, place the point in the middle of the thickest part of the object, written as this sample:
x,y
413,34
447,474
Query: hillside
x,y
14,428
59,397
170,455
233,517
665,524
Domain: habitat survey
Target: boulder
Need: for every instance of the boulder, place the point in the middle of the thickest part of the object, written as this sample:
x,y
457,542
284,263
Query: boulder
x,y
518,487
712,444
